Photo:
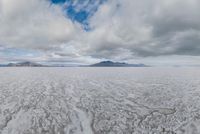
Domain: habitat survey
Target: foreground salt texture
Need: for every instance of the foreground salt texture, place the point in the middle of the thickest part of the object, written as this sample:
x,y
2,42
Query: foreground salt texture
x,y
99,101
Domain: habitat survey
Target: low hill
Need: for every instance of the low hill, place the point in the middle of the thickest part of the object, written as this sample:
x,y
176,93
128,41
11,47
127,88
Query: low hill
x,y
24,64
116,64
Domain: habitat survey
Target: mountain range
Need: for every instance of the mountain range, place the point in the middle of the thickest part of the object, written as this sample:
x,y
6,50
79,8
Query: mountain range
x,y
116,64
24,64
100,64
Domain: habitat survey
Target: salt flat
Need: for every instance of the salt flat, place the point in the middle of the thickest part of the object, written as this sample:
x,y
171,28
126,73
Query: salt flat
x,y
99,100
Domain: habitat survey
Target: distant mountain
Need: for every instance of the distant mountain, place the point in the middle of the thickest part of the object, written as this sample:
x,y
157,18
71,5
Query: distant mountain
x,y
100,64
3,65
24,64
116,64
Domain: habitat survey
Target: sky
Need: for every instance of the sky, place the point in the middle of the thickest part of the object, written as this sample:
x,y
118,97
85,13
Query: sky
x,y
153,32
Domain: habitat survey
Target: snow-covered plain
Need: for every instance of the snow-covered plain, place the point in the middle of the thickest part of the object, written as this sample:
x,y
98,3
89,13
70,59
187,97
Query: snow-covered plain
x,y
99,100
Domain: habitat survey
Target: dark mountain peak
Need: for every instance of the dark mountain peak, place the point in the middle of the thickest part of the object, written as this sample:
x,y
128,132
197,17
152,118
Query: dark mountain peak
x,y
107,62
116,64
111,62
24,64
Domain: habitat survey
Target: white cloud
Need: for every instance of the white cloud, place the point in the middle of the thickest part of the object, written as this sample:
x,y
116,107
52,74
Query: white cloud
x,y
34,24
121,30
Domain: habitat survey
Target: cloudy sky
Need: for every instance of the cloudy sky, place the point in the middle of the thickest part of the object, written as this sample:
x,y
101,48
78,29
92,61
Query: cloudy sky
x,y
153,32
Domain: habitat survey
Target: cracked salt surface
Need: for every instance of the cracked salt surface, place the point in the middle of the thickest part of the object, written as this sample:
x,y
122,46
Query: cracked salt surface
x,y
99,101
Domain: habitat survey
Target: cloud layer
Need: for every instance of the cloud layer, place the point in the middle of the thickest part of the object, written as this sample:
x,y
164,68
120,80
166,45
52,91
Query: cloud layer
x,y
119,30
149,28
34,24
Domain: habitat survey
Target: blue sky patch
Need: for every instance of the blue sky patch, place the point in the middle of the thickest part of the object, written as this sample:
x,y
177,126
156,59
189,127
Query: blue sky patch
x,y
80,10
80,16
58,1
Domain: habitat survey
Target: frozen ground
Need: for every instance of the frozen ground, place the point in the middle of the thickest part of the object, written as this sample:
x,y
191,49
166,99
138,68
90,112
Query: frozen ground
x,y
99,101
